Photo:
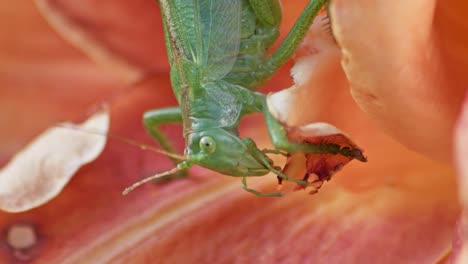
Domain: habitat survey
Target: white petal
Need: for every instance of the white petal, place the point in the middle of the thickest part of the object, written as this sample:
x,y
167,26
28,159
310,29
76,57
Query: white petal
x,y
39,172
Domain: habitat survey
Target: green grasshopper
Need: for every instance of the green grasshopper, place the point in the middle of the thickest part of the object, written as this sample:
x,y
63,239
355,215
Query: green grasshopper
x,y
217,53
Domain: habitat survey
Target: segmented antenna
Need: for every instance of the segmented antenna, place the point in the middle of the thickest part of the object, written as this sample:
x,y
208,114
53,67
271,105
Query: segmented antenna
x,y
179,167
122,139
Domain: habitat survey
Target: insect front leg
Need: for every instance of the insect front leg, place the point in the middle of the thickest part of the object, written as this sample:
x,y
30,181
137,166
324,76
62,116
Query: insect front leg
x,y
152,119
279,138
260,156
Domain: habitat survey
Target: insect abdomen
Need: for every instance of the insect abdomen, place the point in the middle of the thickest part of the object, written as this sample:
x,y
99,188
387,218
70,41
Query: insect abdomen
x,y
256,39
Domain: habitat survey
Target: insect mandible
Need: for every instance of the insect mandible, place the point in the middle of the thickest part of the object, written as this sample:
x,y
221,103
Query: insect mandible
x,y
217,54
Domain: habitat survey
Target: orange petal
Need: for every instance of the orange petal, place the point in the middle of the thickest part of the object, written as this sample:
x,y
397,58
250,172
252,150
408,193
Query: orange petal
x,y
39,172
43,80
407,221
400,207
397,64
390,224
460,247
318,79
125,36
461,152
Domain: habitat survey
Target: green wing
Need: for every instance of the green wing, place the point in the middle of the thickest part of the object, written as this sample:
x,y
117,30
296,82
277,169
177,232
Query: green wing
x,y
220,34
206,32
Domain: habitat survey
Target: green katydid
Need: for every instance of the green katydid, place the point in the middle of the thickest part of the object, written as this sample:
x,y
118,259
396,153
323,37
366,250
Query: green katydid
x,y
217,53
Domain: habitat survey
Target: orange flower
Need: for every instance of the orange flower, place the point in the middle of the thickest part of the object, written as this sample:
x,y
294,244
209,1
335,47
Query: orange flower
x,y
402,62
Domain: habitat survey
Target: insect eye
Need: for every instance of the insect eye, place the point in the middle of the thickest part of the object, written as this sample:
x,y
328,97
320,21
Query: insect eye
x,y
207,144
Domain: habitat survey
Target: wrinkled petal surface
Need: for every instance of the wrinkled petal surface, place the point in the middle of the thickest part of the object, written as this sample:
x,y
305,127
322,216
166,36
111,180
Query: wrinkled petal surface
x,y
39,172
406,70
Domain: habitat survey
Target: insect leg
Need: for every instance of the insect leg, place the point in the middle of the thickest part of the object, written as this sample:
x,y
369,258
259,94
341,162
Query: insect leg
x,y
295,35
279,138
152,119
265,161
244,185
275,151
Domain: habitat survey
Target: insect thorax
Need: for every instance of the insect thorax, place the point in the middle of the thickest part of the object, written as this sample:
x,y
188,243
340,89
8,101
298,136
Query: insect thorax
x,y
219,104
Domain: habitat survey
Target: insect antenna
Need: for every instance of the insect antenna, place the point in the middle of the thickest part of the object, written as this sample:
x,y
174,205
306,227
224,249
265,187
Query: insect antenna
x,y
122,139
179,167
